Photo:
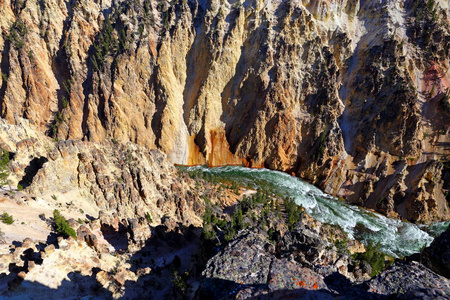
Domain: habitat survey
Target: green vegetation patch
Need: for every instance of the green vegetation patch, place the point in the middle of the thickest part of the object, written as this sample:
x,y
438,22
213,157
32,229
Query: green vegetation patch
x,y
253,211
17,34
374,257
4,172
7,218
62,226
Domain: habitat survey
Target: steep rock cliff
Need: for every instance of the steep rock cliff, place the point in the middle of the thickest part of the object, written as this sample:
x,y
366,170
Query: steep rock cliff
x,y
351,95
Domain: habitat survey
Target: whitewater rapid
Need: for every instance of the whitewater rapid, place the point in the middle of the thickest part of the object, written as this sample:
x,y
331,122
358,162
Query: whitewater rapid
x,y
397,238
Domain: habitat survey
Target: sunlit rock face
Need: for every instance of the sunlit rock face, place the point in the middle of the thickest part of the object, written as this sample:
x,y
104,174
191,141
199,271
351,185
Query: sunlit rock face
x,y
350,95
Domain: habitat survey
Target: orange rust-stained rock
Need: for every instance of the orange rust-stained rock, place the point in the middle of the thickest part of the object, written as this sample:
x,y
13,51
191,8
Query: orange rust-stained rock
x,y
220,153
195,156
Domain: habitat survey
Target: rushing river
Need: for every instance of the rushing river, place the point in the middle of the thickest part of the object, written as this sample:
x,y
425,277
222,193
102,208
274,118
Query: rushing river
x,y
397,238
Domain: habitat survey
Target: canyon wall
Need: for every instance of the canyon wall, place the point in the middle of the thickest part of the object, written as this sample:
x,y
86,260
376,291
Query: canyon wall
x,y
350,95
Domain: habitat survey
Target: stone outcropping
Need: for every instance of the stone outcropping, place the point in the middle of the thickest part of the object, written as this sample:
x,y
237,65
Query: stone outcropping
x,y
437,255
248,268
124,180
408,279
252,265
351,95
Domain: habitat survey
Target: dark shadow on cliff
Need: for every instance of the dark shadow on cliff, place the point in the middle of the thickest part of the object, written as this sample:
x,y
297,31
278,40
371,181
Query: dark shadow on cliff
x,y
434,113
214,288
168,265
76,287
52,238
4,69
343,286
116,238
31,170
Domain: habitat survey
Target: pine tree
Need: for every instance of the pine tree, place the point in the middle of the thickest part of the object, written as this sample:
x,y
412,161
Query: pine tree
x,y
4,171
62,226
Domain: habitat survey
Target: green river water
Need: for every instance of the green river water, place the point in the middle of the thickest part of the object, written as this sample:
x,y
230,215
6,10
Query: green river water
x,y
397,238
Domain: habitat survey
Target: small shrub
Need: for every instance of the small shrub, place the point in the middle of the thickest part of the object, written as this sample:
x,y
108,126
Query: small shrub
x,y
65,103
176,262
235,188
4,77
4,172
67,85
294,212
17,34
444,102
148,217
208,222
54,197
341,246
62,226
7,218
374,257
19,187
59,117
179,281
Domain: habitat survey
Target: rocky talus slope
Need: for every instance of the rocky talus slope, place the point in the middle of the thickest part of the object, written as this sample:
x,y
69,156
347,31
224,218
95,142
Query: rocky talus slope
x,y
351,95
124,178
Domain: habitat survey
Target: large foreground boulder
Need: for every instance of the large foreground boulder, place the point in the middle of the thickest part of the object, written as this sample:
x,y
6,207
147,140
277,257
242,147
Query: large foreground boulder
x,y
409,278
437,255
248,267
